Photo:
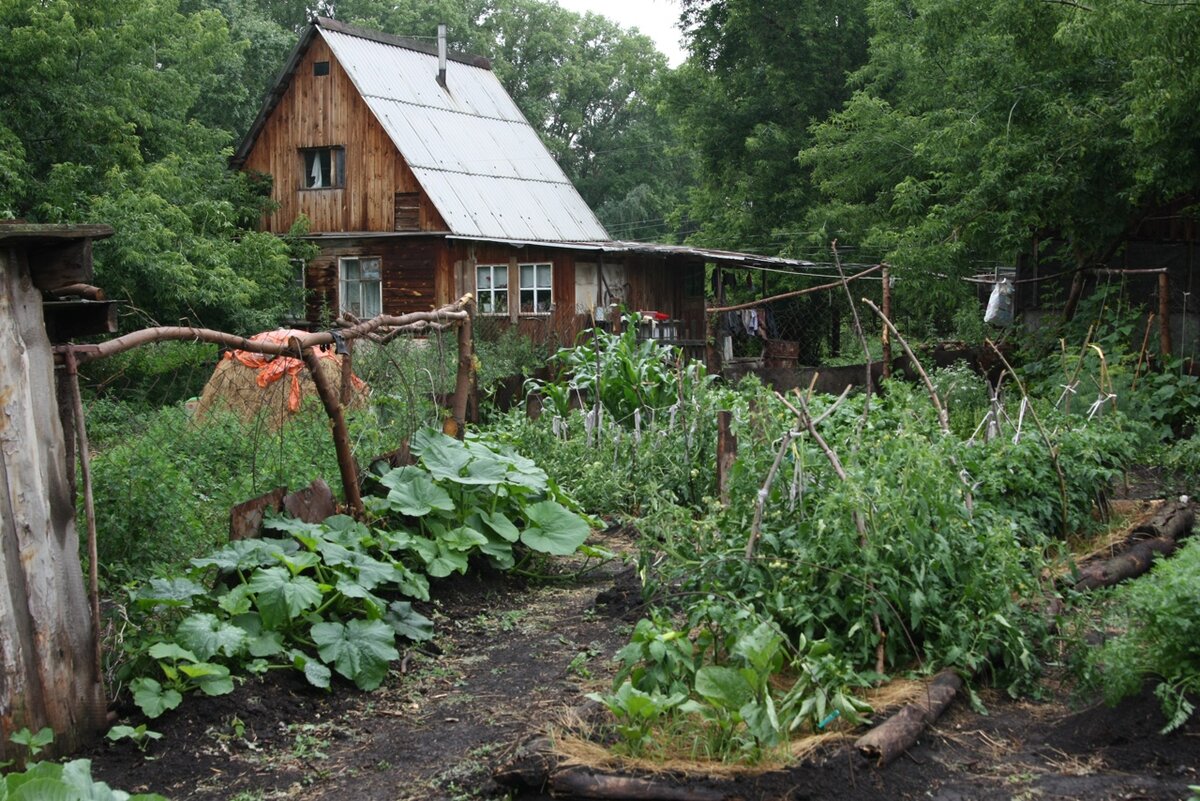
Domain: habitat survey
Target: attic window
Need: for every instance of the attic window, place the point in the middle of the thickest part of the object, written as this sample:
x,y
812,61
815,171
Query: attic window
x,y
320,68
324,167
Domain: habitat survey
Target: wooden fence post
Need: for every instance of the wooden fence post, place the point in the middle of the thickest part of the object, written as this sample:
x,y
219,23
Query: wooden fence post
x,y
1164,314
726,453
887,334
465,381
341,434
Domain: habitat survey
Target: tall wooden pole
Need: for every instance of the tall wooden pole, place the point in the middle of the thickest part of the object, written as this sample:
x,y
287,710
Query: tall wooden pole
x,y
887,334
726,454
341,433
1164,314
89,506
465,378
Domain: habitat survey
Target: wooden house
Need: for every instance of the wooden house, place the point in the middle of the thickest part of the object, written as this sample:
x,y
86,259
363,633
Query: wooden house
x,y
422,180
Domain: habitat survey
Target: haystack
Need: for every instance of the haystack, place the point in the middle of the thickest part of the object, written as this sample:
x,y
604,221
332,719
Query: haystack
x,y
271,389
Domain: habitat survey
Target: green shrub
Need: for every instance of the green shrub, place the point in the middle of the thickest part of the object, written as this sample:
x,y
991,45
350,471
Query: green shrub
x,y
1160,617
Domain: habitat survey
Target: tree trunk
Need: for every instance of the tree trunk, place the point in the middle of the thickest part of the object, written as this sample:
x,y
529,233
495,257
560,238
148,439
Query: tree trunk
x,y
48,676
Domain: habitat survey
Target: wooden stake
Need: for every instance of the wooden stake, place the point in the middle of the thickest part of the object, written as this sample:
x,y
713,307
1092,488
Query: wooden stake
x,y
1050,447
943,420
1164,315
885,335
89,508
1137,370
347,373
726,453
341,434
465,378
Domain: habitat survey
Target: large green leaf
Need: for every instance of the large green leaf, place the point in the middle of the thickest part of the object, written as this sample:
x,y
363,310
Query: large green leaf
x,y
443,456
317,674
499,523
281,597
247,554
172,651
446,562
553,529
204,635
414,493
369,571
723,686
170,592
359,650
463,538
500,554
211,679
152,698
407,622
260,642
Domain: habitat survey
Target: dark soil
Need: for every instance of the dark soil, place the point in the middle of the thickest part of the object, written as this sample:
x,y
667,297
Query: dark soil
x,y
511,659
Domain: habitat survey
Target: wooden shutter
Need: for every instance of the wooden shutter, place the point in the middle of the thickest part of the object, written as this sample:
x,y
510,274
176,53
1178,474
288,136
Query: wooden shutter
x,y
408,211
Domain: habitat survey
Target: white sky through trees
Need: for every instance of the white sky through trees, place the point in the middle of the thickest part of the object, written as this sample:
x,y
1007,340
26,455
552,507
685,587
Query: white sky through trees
x,y
658,19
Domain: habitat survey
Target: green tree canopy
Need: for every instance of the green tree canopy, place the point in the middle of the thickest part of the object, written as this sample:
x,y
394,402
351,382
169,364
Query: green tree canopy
x,y
976,126
113,112
757,75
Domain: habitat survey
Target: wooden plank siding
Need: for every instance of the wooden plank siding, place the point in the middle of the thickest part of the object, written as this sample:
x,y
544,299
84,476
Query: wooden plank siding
x,y
327,111
675,288
409,274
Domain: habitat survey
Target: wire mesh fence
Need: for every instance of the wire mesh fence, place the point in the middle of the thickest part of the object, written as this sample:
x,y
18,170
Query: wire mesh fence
x,y
810,329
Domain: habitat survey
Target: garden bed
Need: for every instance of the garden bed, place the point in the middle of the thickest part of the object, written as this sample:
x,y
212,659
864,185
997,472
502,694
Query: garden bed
x,y
512,660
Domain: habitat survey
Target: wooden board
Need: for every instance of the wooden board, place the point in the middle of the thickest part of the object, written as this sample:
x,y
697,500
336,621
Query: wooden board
x,y
48,675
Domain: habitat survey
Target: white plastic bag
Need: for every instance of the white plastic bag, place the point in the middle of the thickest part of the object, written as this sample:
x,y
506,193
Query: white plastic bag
x,y
1000,304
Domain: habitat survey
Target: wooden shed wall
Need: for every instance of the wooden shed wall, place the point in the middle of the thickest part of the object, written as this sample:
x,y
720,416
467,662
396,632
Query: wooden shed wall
x,y
561,324
409,269
327,111
669,286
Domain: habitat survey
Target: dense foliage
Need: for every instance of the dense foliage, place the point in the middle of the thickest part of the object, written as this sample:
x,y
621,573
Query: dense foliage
x,y
333,596
879,567
1159,617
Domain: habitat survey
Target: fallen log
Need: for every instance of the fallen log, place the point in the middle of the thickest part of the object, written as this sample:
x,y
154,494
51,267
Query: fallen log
x,y
1158,536
898,733
1173,521
536,765
579,782
1126,565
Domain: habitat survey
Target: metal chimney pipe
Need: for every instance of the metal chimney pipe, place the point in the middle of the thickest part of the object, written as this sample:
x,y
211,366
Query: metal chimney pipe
x,y
441,77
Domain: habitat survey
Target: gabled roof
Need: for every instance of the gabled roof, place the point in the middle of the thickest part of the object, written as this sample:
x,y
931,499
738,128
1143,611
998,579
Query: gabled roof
x,y
476,156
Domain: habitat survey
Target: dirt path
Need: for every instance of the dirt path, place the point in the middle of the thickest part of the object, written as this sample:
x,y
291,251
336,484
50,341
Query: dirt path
x,y
511,659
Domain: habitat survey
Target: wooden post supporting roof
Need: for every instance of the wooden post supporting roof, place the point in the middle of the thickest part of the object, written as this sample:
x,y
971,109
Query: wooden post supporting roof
x,y
48,674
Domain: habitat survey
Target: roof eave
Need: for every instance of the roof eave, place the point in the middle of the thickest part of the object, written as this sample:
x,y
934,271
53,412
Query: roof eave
x,y
274,95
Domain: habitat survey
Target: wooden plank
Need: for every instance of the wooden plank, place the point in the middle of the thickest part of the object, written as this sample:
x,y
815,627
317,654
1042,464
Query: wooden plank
x,y
48,675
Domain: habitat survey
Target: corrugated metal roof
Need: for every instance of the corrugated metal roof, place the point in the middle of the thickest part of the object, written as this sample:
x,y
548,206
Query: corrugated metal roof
x,y
478,158
729,258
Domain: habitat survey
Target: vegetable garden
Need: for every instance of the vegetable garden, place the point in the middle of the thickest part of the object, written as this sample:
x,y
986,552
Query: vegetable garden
x,y
589,577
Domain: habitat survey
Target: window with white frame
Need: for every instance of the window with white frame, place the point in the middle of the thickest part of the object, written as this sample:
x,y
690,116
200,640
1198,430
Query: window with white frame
x,y
536,296
491,288
360,288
